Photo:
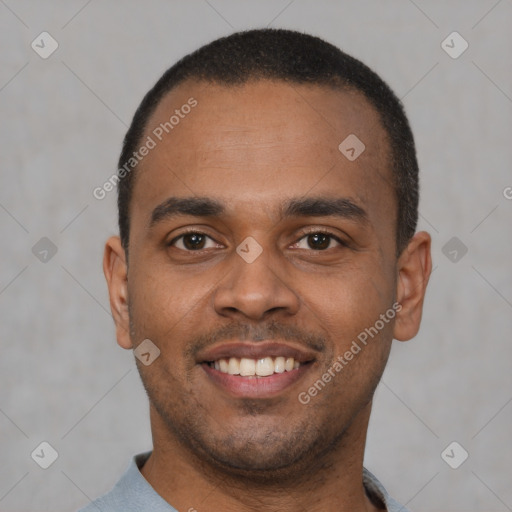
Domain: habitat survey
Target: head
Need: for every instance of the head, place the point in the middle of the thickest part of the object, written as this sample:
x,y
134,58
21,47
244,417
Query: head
x,y
251,235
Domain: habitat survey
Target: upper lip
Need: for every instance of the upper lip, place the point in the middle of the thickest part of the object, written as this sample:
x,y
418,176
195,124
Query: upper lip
x,y
255,350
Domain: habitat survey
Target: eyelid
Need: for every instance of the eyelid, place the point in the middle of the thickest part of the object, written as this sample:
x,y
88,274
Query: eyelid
x,y
323,231
305,232
190,231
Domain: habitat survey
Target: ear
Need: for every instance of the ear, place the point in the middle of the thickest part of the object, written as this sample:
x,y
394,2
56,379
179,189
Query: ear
x,y
414,268
116,274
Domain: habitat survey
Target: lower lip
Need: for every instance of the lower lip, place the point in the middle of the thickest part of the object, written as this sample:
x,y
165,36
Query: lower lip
x,y
255,387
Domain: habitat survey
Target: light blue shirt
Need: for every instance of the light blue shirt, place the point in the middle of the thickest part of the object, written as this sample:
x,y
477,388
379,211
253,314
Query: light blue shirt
x,y
133,493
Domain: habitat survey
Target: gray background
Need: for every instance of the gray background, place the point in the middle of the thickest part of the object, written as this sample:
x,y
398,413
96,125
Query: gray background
x,y
64,380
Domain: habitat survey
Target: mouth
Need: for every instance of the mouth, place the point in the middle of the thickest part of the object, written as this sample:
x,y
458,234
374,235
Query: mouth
x,y
264,367
259,370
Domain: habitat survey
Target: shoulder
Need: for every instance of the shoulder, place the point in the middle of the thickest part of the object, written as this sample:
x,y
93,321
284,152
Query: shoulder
x,y
378,494
101,505
131,493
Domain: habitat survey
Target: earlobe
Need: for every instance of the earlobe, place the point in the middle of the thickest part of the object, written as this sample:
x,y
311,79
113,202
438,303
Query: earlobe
x,y
414,268
116,273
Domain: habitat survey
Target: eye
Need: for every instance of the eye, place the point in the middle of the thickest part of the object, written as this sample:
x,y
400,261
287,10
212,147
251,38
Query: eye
x,y
193,241
318,241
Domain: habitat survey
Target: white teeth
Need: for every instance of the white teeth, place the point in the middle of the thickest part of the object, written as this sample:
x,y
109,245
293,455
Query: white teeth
x,y
279,366
234,366
247,367
263,367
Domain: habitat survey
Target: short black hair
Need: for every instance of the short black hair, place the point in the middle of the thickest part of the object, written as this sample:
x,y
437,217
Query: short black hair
x,y
293,57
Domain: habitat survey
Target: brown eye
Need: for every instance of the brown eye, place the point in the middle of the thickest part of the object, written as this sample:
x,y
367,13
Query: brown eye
x,y
192,242
318,241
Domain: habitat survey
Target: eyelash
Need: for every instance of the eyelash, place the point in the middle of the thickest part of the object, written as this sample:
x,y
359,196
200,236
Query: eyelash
x,y
322,232
303,235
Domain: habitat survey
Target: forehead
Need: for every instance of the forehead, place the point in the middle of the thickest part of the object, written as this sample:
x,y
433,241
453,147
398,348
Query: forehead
x,y
261,141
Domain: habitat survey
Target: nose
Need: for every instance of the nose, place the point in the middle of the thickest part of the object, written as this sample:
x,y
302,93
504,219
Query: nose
x,y
256,289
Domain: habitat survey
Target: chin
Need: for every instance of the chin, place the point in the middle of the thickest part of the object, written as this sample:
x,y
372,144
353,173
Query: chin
x,y
264,456
257,467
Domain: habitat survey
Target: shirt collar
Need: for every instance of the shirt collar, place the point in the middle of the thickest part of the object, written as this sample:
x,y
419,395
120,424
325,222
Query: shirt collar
x,y
140,493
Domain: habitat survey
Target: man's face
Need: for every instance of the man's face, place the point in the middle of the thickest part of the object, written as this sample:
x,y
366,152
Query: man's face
x,y
261,161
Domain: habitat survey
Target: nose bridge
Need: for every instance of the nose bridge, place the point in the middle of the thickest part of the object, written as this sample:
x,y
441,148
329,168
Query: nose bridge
x,y
253,287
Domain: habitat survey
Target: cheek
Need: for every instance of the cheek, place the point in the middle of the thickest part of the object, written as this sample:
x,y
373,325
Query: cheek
x,y
349,311
349,301
170,308
161,298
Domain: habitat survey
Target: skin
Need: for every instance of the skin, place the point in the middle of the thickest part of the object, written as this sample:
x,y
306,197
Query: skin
x,y
251,148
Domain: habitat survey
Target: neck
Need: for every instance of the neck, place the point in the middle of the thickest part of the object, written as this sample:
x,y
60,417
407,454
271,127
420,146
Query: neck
x,y
333,483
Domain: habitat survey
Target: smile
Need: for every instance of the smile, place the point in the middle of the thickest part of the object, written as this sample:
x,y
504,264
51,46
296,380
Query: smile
x,y
263,367
255,370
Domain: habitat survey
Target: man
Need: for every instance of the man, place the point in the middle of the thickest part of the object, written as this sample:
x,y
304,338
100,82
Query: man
x,y
268,192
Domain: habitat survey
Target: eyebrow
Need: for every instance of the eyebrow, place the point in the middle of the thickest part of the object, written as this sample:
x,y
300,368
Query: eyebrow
x,y
193,206
295,207
325,207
